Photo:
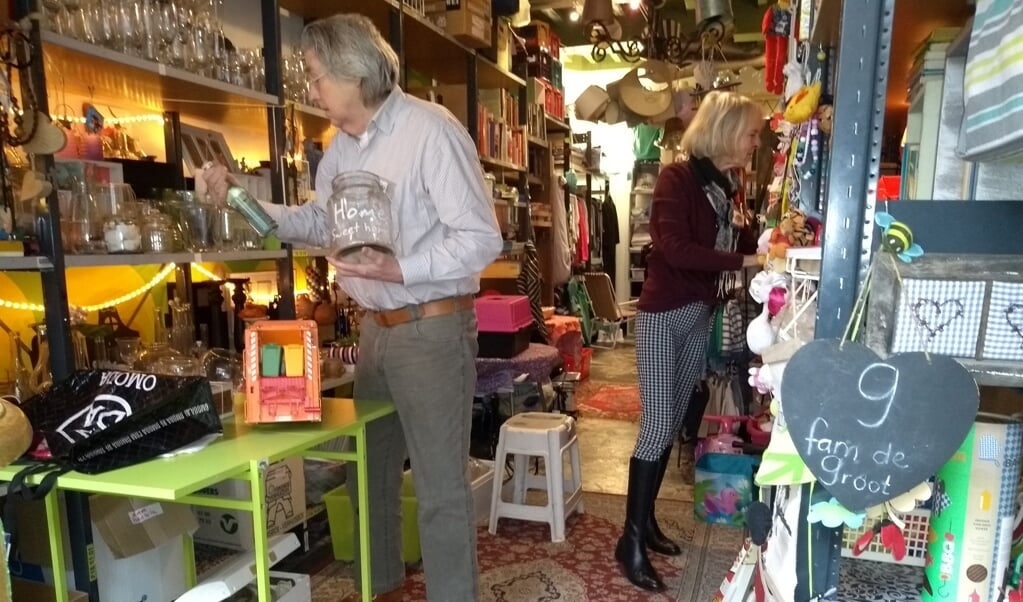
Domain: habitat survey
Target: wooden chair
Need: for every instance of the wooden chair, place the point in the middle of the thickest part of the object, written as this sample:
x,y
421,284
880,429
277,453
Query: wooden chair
x,y
607,310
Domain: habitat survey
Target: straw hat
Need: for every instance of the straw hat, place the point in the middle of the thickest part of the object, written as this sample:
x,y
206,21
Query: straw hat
x,y
48,138
641,100
32,187
15,432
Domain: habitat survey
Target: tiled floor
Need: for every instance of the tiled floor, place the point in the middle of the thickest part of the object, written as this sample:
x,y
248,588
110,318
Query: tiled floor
x,y
606,445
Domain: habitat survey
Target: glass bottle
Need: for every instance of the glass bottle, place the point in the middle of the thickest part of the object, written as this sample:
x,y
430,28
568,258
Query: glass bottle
x,y
241,201
40,379
21,387
86,222
358,215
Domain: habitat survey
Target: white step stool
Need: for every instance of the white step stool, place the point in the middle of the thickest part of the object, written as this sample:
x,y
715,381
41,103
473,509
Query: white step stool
x,y
548,436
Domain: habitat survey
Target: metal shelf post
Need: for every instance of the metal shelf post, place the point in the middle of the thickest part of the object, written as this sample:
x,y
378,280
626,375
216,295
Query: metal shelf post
x,y
862,80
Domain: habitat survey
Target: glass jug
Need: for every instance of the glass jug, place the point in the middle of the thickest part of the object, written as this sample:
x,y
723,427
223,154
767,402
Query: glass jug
x,y
359,215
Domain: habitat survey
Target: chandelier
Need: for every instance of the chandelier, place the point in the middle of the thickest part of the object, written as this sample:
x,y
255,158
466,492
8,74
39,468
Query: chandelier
x,y
662,38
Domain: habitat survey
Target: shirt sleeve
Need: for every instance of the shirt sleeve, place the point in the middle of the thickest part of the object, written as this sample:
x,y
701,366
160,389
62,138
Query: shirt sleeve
x,y
672,221
307,224
454,182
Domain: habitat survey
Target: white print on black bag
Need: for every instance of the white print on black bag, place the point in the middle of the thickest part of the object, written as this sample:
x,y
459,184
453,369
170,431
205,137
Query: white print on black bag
x,y
106,410
98,420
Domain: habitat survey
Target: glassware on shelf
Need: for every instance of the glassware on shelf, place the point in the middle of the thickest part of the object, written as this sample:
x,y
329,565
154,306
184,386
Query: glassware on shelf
x,y
152,357
358,215
241,201
85,229
21,386
128,350
157,233
197,224
40,379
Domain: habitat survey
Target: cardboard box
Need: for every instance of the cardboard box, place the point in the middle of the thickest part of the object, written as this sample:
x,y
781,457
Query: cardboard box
x,y
501,50
30,591
468,21
239,572
285,507
285,587
131,526
138,548
155,574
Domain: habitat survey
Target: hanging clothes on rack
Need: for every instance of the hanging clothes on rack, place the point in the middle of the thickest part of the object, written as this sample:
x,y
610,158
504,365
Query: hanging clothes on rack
x,y
528,284
610,240
583,244
561,251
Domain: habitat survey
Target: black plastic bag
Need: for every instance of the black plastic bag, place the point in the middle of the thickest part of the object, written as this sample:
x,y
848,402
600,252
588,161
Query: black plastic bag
x,y
98,420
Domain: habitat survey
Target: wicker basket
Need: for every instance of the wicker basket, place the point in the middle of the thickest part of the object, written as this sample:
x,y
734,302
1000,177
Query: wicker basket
x,y
917,526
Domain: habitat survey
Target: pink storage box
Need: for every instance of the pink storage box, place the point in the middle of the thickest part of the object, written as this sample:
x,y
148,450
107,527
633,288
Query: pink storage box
x,y
503,313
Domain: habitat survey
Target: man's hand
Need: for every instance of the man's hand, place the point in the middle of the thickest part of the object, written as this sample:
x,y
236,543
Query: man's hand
x,y
218,180
372,265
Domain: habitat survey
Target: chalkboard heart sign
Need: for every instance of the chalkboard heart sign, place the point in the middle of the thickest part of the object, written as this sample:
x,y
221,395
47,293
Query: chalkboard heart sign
x,y
872,429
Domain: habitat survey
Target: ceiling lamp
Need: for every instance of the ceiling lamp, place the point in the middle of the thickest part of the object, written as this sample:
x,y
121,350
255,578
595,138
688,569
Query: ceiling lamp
x,y
662,39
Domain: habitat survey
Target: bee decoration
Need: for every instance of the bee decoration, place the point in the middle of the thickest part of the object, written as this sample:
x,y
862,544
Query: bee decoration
x,y
897,238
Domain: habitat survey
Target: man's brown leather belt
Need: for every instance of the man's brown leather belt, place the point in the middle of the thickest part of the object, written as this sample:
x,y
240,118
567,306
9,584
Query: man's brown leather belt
x,y
430,309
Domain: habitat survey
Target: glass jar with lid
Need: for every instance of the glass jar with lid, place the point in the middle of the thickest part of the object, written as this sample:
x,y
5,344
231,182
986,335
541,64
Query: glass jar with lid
x,y
157,233
359,216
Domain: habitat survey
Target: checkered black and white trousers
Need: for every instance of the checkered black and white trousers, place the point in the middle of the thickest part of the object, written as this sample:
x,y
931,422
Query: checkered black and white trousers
x,y
671,355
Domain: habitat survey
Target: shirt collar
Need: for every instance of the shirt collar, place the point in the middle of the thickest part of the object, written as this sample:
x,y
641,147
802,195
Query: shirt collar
x,y
387,114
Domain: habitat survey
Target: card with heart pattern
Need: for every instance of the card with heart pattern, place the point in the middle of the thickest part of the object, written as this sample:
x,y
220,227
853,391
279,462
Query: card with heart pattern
x,y
1003,337
939,316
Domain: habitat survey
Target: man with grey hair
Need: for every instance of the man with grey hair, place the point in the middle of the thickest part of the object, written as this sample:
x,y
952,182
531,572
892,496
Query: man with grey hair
x,y
418,342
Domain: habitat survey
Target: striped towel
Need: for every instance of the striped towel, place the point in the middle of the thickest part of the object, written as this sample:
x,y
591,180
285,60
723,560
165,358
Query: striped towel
x,y
992,126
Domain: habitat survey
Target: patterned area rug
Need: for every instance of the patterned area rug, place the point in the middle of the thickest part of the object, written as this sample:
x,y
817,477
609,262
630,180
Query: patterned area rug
x,y
520,564
616,402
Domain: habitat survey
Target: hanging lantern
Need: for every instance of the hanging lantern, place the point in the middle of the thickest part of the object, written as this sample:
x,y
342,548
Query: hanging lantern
x,y
715,20
599,11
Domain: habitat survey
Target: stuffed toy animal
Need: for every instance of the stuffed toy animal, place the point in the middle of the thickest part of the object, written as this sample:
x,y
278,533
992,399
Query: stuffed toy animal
x,y
776,27
793,230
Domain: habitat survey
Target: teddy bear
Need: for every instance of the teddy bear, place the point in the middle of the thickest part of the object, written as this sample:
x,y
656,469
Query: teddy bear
x,y
793,230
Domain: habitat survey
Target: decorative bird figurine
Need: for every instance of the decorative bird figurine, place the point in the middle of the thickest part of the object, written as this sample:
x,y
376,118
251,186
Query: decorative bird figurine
x,y
897,238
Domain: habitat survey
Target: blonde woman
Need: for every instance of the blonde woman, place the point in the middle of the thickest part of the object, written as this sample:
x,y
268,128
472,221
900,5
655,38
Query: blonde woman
x,y
694,241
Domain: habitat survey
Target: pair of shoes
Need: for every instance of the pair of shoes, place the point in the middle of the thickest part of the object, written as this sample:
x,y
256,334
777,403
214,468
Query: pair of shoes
x,y
392,596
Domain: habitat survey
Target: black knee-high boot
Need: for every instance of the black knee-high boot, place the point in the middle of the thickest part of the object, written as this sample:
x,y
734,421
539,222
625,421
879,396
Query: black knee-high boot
x,y
656,540
631,548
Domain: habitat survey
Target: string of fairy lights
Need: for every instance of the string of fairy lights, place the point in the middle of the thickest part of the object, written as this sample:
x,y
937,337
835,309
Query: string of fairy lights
x,y
160,276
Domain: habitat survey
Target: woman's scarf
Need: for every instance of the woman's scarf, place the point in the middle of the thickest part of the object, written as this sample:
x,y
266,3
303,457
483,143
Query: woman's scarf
x,y
720,190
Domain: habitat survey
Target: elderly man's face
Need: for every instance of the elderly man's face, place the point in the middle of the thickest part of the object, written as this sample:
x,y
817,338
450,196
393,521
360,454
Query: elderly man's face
x,y
340,99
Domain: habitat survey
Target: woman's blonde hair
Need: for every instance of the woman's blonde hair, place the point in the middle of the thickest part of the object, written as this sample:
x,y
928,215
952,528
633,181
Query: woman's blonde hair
x,y
718,125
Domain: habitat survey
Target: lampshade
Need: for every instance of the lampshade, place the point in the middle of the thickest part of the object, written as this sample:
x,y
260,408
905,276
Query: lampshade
x,y
598,10
714,9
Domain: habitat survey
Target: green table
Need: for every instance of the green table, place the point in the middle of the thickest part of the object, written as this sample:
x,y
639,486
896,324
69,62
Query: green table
x,y
245,451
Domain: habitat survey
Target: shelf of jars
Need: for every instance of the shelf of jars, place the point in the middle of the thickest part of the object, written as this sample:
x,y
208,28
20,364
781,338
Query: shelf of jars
x,y
126,259
105,74
24,264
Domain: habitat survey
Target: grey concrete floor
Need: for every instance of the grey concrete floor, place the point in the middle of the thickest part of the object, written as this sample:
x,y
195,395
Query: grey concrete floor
x,y
605,446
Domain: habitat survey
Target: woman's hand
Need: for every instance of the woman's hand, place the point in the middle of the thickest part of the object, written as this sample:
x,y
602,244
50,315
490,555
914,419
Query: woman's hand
x,y
751,261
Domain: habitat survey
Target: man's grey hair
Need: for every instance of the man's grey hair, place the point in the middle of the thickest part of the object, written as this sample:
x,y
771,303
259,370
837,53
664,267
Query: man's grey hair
x,y
351,47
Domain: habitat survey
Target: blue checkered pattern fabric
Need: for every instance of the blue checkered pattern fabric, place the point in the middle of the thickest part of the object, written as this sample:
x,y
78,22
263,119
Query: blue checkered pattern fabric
x,y
939,316
1010,478
988,448
1003,338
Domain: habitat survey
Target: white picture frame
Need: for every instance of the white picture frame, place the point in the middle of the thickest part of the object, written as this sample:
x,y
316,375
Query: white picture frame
x,y
200,145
